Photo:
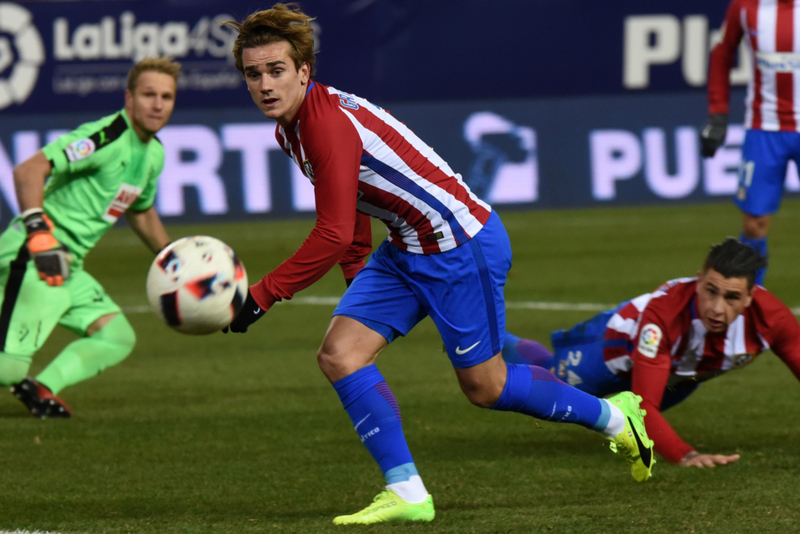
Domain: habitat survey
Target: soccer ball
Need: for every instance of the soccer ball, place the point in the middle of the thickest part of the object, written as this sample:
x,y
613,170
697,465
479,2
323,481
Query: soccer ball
x,y
197,285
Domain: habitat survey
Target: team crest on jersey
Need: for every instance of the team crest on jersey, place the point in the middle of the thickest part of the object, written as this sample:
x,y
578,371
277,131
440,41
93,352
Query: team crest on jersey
x,y
309,171
740,360
80,149
649,340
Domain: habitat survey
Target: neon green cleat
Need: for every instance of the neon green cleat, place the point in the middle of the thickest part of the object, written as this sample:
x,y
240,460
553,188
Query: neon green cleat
x,y
388,506
633,443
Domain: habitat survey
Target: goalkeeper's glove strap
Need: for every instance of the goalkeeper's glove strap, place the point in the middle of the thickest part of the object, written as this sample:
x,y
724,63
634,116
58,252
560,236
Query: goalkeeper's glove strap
x,y
34,221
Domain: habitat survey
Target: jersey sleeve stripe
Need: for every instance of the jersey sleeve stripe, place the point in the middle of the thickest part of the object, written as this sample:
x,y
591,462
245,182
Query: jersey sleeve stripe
x,y
110,133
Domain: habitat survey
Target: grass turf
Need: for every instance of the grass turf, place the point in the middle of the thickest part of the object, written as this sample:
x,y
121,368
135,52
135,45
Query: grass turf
x,y
242,434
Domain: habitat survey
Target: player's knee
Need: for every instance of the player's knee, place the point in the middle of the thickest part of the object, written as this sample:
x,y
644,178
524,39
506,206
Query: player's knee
x,y
482,394
119,333
483,384
330,363
755,227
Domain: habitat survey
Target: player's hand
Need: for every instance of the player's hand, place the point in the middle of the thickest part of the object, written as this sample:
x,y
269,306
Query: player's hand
x,y
695,459
713,135
250,313
51,257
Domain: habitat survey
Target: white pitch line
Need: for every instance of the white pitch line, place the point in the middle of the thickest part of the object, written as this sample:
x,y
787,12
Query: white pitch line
x,y
519,305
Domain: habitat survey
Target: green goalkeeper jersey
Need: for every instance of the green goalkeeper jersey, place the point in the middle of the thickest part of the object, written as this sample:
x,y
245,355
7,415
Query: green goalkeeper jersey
x,y
100,170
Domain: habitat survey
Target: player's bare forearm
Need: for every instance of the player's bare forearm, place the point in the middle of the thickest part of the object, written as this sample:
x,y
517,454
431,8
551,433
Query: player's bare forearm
x,y
148,226
29,178
695,459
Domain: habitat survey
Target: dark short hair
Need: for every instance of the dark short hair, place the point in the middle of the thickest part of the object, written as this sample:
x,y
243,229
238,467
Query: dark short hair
x,y
733,259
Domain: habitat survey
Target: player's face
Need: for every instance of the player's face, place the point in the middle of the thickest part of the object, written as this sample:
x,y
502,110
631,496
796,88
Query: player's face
x,y
277,87
150,105
721,300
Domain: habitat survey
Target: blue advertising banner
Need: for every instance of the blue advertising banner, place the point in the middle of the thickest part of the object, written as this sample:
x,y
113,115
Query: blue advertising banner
x,y
537,103
69,56
582,151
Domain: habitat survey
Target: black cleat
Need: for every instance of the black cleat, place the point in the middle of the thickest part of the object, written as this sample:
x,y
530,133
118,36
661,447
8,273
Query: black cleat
x,y
40,400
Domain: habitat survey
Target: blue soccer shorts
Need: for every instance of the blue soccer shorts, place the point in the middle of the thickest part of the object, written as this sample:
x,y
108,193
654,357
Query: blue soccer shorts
x,y
763,170
461,290
578,357
578,360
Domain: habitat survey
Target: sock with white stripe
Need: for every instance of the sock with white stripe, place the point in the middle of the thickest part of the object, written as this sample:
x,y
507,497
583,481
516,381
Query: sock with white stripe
x,y
376,418
535,391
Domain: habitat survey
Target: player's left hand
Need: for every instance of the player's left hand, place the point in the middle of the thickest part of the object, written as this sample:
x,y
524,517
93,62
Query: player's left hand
x,y
713,135
695,459
51,257
250,313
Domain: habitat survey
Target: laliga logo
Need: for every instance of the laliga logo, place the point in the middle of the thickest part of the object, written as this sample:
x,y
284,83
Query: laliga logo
x,y
650,336
18,38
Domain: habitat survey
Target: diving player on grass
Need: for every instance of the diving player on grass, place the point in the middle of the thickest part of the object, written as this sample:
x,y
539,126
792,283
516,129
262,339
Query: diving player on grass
x,y
446,256
663,345
99,171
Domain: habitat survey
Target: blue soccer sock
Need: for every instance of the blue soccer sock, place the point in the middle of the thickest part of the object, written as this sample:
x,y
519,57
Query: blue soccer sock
x,y
376,417
525,351
760,246
536,392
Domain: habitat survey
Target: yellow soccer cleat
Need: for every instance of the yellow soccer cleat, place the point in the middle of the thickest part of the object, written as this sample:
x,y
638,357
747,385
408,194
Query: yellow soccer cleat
x,y
388,506
632,443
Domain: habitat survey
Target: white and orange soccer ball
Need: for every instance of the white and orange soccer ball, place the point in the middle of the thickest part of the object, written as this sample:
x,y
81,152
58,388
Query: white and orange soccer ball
x,y
197,285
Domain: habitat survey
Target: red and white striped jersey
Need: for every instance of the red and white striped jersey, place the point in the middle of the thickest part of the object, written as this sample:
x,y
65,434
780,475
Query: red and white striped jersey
x,y
363,160
401,180
771,28
664,327
659,340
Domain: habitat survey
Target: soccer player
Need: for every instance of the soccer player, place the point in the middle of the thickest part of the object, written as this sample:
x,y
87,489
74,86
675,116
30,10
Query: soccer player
x,y
447,255
772,108
663,345
97,172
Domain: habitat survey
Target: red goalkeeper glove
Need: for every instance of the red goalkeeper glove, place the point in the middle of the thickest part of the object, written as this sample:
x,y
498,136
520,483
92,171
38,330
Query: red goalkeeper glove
x,y
51,257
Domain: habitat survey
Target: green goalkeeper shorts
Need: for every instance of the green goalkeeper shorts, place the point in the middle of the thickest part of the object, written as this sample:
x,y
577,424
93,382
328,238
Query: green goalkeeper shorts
x,y
31,309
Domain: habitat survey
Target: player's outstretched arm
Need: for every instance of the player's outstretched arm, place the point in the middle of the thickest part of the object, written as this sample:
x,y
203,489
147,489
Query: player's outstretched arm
x,y
29,177
50,256
147,225
695,459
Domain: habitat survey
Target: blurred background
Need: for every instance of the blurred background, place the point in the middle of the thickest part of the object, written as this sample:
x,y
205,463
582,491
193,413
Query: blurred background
x,y
537,103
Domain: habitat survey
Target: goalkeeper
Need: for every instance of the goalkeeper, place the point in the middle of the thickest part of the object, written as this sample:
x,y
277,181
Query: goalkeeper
x,y
99,171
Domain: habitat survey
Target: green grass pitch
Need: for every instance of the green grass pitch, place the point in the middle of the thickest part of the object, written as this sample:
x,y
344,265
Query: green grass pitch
x,y
242,433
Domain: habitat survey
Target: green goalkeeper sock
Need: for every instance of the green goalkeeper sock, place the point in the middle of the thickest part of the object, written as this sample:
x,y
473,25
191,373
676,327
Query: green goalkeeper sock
x,y
88,356
13,368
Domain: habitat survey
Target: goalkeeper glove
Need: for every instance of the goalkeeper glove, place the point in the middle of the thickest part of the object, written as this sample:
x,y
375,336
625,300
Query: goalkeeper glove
x,y
50,256
713,135
250,313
